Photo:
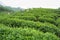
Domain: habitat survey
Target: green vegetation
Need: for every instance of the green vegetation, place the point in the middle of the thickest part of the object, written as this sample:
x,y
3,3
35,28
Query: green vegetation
x,y
29,24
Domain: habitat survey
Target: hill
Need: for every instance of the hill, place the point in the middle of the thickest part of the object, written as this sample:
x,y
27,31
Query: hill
x,y
31,24
10,9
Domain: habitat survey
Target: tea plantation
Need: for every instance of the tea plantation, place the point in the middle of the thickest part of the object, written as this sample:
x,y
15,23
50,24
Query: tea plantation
x,y
30,24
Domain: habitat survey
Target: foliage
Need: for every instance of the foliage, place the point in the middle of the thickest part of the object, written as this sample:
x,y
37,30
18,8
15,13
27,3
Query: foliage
x,y
24,34
30,24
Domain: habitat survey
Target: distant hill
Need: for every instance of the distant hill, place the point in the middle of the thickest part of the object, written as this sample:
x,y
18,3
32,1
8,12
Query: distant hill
x,y
10,9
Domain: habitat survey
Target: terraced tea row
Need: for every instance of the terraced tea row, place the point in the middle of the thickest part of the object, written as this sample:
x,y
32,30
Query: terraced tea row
x,y
7,33
45,27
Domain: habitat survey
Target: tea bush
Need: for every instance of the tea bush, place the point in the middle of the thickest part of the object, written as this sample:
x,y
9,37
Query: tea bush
x,y
58,22
32,18
24,34
45,27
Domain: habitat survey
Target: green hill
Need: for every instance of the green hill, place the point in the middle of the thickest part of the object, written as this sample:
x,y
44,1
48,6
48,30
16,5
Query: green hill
x,y
30,24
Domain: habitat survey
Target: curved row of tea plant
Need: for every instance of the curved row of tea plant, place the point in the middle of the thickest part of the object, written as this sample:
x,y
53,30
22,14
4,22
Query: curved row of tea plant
x,y
45,27
7,33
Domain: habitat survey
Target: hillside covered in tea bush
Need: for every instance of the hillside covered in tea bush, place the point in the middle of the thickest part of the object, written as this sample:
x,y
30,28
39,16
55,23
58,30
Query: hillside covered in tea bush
x,y
30,24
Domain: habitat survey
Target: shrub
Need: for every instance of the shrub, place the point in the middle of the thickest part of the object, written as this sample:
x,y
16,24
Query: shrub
x,y
24,34
58,22
32,18
45,27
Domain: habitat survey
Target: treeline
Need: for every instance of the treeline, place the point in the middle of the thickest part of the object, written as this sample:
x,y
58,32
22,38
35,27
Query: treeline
x,y
3,8
9,9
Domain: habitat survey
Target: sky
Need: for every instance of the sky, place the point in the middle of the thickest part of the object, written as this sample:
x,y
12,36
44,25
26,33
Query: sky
x,y
31,3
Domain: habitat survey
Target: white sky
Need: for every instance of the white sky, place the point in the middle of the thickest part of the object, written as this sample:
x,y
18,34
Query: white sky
x,y
32,3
